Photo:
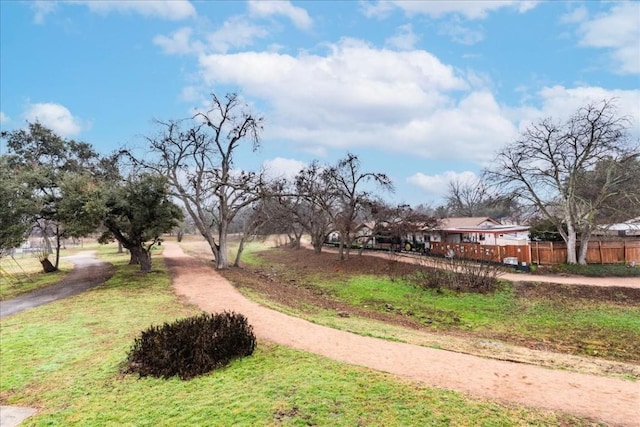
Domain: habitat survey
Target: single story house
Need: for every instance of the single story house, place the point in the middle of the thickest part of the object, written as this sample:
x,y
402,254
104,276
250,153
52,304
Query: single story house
x,y
480,230
629,228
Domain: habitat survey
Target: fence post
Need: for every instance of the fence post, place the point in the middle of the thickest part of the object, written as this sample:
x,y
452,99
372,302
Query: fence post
x,y
599,251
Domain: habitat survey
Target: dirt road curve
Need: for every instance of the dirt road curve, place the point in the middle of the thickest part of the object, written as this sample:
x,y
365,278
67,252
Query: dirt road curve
x,y
87,273
614,401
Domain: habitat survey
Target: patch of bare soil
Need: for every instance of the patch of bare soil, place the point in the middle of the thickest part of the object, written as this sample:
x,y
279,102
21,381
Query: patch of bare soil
x,y
285,278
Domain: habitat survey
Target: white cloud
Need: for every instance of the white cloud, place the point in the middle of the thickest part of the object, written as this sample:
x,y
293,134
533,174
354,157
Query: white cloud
x,y
617,30
54,116
236,32
179,42
4,119
460,33
575,16
357,96
470,9
41,9
283,168
404,39
437,186
173,10
297,15
559,103
193,94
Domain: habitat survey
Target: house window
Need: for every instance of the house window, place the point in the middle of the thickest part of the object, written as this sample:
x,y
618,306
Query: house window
x,y
481,236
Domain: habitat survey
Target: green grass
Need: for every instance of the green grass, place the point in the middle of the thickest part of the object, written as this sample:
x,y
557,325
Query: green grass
x,y
575,326
585,328
63,358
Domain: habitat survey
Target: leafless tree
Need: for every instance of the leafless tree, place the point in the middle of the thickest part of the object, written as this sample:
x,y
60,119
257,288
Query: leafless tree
x,y
477,198
547,163
346,183
198,161
313,203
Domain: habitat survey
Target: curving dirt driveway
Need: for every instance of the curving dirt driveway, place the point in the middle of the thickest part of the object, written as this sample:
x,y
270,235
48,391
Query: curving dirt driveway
x,y
614,401
87,273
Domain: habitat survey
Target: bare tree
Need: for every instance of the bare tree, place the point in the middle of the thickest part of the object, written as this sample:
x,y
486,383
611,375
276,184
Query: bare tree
x,y
346,183
476,198
313,203
395,224
547,163
198,162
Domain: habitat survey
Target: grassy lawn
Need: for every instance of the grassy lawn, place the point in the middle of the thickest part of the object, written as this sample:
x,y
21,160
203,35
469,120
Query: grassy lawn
x,y
555,317
63,358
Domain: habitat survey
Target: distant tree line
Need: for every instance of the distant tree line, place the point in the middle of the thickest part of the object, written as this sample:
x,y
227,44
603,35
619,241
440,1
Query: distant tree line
x,y
564,178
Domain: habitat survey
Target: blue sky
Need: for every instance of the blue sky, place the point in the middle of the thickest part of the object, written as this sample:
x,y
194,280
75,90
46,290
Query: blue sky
x,y
425,91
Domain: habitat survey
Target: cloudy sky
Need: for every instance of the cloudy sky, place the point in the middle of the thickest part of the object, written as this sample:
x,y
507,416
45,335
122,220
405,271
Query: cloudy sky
x,y
425,91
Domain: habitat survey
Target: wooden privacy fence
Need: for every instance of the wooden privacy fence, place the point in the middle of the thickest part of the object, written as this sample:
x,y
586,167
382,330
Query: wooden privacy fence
x,y
598,252
544,253
482,252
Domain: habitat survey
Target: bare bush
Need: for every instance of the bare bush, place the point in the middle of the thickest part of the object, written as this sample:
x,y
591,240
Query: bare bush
x,y
460,274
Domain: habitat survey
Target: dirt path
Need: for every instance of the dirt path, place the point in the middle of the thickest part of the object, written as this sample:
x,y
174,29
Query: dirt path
x,y
87,273
614,401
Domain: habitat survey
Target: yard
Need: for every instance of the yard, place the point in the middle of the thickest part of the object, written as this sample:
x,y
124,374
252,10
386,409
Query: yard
x,y
63,358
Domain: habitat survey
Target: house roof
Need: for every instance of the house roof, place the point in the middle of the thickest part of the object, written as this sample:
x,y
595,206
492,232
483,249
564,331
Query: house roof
x,y
629,225
477,225
458,222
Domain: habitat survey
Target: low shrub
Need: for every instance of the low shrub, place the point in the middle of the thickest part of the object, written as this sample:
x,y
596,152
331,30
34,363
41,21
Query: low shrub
x,y
192,346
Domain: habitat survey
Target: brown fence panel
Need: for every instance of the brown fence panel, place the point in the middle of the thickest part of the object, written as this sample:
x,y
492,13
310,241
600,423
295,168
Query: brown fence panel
x,y
632,252
548,253
598,252
481,252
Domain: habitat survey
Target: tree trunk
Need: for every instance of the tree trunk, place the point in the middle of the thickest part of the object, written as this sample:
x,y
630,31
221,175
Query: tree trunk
x,y
56,265
341,249
571,246
47,267
120,249
317,242
143,257
221,259
134,256
347,242
584,246
236,263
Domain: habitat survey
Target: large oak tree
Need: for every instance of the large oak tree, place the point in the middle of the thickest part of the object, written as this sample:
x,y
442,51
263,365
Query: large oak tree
x,y
550,164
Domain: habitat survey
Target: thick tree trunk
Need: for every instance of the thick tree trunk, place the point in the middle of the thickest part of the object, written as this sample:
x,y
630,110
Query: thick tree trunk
x,y
221,259
584,246
571,247
317,241
120,249
143,257
134,257
341,249
47,267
